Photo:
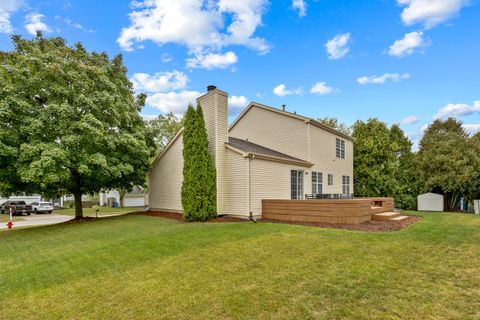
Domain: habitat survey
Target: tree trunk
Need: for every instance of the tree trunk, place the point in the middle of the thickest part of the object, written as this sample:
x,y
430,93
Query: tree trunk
x,y
452,201
77,194
122,196
78,206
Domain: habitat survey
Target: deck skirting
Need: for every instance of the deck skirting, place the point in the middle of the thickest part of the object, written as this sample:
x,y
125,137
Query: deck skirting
x,y
343,211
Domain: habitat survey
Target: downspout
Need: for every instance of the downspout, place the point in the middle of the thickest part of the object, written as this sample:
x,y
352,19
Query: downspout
x,y
248,182
249,187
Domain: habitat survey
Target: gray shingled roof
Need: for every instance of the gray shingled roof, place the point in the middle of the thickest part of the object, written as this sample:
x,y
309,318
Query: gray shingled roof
x,y
254,148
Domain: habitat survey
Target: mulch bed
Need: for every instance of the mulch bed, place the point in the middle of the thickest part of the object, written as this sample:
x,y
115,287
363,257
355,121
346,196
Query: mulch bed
x,y
179,217
370,226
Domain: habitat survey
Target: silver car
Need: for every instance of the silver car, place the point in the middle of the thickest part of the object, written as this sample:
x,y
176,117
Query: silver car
x,y
42,207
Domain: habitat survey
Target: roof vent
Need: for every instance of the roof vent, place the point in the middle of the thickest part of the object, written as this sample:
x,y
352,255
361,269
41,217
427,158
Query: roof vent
x,y
210,88
283,107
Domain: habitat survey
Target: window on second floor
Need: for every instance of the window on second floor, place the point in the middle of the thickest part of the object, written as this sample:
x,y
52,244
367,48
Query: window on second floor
x,y
340,148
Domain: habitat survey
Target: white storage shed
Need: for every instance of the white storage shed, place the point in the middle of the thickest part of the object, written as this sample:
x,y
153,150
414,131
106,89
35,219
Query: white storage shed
x,y
430,202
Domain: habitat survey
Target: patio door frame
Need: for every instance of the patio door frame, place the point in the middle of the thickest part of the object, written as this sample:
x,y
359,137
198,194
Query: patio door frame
x,y
297,183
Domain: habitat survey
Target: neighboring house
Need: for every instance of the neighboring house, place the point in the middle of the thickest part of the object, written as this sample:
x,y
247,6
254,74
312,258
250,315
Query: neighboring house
x,y
266,153
135,198
27,199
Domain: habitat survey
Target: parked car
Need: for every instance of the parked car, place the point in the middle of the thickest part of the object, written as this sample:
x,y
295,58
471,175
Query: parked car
x,y
18,207
42,207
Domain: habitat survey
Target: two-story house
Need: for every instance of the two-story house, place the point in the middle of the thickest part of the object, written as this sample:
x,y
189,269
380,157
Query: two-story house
x,y
266,153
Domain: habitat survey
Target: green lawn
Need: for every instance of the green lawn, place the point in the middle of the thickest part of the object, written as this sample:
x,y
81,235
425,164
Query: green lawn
x,y
6,217
90,212
141,267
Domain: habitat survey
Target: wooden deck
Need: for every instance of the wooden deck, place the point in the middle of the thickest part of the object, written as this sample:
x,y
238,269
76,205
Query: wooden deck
x,y
346,211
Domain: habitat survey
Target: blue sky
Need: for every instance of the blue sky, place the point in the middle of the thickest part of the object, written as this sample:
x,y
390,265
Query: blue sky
x,y
403,61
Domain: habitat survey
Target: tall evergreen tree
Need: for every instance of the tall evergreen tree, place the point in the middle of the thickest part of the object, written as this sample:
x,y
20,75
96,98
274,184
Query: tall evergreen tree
x,y
199,176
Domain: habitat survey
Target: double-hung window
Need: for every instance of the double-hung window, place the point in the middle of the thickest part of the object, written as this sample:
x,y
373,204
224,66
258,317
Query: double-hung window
x,y
330,179
317,182
340,149
346,185
296,184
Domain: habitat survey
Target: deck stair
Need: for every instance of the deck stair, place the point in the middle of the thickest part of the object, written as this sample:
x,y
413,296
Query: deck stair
x,y
389,216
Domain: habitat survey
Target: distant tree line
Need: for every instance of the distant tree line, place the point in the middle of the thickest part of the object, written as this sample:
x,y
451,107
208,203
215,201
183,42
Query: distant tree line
x,y
447,161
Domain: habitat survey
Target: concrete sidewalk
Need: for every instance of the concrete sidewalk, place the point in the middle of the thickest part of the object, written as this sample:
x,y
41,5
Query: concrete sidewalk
x,y
37,220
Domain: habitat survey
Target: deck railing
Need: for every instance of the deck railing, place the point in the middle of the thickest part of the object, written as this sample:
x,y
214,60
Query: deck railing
x,y
328,196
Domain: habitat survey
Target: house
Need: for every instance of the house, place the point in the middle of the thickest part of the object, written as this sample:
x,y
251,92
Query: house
x,y
134,198
266,153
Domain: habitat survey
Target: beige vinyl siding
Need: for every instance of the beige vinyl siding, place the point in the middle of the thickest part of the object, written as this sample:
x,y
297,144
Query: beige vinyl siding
x,y
271,180
165,179
322,154
215,110
273,130
236,184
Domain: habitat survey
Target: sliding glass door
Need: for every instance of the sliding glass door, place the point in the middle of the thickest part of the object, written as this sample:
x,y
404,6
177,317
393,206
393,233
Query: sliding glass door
x,y
296,184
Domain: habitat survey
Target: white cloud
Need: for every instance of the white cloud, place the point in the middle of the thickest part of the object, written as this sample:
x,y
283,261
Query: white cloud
x,y
472,128
149,116
410,120
238,101
7,8
159,82
383,78
77,25
203,26
176,102
429,12
321,88
34,23
337,47
282,91
212,60
408,44
457,110
236,104
166,57
300,6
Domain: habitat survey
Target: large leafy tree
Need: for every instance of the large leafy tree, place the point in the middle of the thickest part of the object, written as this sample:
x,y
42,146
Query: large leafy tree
x,y
383,163
474,189
448,160
163,128
407,184
69,121
335,124
199,190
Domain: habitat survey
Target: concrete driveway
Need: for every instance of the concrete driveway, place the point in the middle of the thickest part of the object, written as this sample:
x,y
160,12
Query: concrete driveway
x,y
37,220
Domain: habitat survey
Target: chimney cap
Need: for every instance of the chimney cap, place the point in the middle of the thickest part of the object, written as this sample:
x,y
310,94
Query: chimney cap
x,y
211,87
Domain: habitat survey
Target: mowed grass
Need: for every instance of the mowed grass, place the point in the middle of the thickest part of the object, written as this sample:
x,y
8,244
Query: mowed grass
x,y
141,267
6,217
90,212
